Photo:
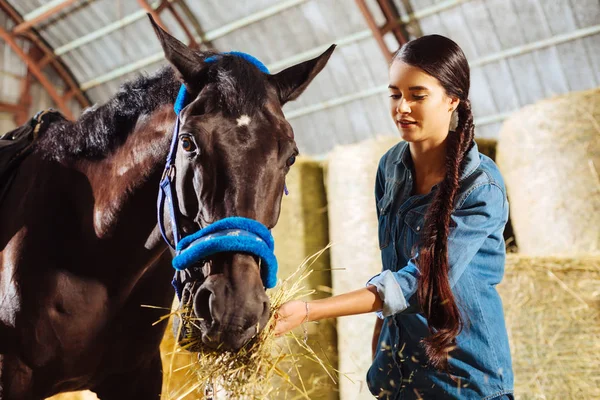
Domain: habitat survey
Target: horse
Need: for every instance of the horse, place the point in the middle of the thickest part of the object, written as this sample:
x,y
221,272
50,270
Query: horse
x,y
80,247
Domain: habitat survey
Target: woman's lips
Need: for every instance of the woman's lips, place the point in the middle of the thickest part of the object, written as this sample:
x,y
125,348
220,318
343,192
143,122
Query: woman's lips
x,y
406,123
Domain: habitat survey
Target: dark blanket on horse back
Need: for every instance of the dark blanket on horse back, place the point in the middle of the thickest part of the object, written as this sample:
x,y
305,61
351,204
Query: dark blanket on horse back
x,y
18,144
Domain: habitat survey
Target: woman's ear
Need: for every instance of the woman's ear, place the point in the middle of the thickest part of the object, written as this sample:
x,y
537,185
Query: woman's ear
x,y
453,103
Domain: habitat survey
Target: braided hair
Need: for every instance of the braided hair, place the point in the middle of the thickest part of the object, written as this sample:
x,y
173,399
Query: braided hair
x,y
443,59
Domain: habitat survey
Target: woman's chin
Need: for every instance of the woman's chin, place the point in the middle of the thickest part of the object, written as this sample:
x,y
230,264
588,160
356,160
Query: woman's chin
x,y
408,135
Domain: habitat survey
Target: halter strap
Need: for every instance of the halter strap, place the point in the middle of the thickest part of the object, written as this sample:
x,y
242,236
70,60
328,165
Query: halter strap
x,y
166,192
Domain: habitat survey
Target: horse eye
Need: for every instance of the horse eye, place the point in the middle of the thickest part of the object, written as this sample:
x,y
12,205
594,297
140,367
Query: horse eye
x,y
291,161
187,144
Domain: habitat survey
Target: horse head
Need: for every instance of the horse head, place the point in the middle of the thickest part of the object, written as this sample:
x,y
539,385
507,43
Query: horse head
x,y
233,150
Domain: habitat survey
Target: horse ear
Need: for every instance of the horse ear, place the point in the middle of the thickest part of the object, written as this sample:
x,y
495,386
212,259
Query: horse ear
x,y
292,81
187,63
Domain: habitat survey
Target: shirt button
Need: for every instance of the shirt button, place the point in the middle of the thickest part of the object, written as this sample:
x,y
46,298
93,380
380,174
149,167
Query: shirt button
x,y
418,228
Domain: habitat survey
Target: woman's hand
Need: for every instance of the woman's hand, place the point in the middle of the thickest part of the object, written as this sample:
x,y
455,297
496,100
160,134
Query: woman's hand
x,y
293,313
289,316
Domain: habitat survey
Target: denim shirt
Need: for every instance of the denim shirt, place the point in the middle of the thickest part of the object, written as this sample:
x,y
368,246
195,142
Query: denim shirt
x,y
481,365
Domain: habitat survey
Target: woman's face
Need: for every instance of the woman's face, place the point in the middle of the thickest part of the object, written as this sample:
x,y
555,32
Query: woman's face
x,y
419,105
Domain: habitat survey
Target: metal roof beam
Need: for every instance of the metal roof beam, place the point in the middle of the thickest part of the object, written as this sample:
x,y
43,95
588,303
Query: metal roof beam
x,y
154,13
209,36
36,71
367,33
431,10
12,108
393,24
193,43
48,57
251,19
501,55
41,14
103,31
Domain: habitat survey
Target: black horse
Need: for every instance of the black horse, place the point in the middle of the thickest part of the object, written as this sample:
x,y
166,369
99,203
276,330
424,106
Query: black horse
x,y
80,250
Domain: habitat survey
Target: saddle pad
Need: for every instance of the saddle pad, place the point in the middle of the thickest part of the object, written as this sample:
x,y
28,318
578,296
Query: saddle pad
x,y
17,144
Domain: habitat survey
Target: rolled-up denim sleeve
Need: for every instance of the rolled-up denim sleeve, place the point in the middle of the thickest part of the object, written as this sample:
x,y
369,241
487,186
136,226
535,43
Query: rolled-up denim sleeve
x,y
482,214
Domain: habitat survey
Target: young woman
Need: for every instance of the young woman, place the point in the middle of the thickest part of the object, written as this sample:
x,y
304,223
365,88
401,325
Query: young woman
x,y
442,209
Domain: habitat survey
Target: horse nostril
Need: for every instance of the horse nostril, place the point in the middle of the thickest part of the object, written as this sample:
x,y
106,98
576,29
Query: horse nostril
x,y
202,305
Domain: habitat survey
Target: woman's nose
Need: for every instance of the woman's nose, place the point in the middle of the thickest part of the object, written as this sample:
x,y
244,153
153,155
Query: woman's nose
x,y
402,107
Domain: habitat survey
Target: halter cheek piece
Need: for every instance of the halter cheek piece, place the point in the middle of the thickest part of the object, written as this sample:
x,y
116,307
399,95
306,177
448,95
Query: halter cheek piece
x,y
232,234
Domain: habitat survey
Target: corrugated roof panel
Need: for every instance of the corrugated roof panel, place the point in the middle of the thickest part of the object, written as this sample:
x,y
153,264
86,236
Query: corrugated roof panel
x,y
592,44
586,12
213,14
480,27
26,6
480,95
559,15
551,72
102,93
504,95
577,64
488,131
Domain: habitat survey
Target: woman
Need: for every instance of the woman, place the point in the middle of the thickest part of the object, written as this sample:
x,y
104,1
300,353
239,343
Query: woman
x,y
442,209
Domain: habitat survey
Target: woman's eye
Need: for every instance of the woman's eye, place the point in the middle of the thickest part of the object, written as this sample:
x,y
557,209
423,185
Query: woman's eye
x,y
187,144
395,96
418,97
291,161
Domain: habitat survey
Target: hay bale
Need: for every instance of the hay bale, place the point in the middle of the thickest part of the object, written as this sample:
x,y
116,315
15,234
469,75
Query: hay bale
x,y
549,155
487,147
355,255
302,231
82,395
552,310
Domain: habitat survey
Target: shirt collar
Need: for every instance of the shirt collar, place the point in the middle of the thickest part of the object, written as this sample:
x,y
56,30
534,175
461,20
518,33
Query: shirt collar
x,y
472,160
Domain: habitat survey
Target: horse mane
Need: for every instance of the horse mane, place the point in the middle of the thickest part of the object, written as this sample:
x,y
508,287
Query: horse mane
x,y
239,88
100,129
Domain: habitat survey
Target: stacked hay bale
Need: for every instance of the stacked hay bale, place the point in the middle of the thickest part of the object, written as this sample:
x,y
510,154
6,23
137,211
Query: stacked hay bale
x,y
301,232
355,255
552,311
549,155
82,395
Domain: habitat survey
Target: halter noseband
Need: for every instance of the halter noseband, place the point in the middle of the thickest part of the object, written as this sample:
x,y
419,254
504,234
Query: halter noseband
x,y
232,234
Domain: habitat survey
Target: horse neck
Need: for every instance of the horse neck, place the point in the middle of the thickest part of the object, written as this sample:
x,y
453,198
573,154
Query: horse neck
x,y
125,184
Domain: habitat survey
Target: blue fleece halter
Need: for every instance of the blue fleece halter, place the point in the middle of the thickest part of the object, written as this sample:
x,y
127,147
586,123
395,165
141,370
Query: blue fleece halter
x,y
233,234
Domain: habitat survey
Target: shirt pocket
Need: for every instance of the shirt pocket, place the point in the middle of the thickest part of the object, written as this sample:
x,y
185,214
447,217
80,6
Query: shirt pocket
x,y
414,223
383,207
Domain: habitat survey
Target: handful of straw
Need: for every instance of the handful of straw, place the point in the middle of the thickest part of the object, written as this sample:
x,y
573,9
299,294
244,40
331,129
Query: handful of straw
x,y
265,368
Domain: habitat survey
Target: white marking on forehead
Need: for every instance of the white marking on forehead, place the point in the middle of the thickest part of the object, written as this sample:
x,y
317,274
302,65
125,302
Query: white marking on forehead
x,y
244,120
123,169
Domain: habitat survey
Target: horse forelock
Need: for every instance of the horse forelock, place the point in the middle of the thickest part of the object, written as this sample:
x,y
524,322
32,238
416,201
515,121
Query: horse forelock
x,y
241,86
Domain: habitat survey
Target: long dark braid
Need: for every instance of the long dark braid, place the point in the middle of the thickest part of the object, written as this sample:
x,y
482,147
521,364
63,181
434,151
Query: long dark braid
x,y
435,295
443,59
